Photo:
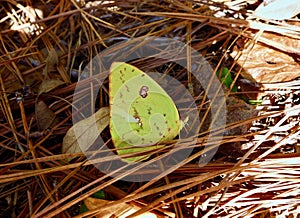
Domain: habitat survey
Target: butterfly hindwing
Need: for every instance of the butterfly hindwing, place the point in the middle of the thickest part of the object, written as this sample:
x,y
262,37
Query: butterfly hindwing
x,y
141,112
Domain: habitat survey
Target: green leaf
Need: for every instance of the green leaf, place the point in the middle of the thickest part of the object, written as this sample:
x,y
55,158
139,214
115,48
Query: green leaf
x,y
226,78
83,208
254,101
99,194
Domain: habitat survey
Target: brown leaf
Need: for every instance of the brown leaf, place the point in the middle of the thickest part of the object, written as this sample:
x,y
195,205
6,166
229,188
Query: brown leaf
x,y
30,79
49,85
45,117
237,111
84,133
263,64
120,210
51,62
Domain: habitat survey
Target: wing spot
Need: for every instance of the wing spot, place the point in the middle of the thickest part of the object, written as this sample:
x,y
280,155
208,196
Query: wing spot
x,y
149,110
121,73
137,117
156,126
144,91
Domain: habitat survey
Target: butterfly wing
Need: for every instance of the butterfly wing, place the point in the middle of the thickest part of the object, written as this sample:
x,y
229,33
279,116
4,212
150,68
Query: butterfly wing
x,y
141,112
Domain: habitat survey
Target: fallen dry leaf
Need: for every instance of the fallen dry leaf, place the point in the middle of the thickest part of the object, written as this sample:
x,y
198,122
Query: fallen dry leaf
x,y
263,64
49,84
84,133
51,62
121,210
45,117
